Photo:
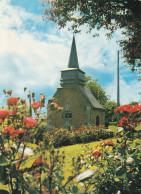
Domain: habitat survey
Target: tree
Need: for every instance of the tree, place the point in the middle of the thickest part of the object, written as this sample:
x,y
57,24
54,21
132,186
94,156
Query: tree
x,y
110,106
103,98
107,14
98,92
133,103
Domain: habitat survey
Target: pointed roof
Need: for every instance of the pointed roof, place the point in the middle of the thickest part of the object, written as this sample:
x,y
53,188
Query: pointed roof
x,y
73,60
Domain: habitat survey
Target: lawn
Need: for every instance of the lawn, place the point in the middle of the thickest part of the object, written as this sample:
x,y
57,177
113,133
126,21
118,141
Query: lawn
x,y
75,150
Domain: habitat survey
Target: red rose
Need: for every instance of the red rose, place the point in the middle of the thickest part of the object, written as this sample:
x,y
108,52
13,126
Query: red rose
x,y
9,130
36,105
12,112
1,121
128,108
133,110
38,161
117,109
18,132
12,100
30,122
110,143
21,131
96,153
137,106
37,175
3,113
120,125
123,120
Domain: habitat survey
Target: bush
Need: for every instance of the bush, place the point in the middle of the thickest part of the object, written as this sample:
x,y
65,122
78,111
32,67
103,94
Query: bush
x,y
113,123
63,137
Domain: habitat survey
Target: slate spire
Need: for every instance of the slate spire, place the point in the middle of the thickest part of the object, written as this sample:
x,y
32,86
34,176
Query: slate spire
x,y
73,60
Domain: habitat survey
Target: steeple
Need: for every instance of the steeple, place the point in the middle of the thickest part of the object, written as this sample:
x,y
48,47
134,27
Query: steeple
x,y
72,76
73,60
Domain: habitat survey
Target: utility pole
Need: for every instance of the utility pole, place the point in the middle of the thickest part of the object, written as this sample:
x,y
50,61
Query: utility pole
x,y
118,87
118,91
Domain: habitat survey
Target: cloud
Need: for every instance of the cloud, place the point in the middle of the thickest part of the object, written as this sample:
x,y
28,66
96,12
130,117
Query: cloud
x,y
15,17
98,53
129,92
25,59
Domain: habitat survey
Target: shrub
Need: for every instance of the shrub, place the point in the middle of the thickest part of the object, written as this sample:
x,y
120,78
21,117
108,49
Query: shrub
x,y
63,137
113,123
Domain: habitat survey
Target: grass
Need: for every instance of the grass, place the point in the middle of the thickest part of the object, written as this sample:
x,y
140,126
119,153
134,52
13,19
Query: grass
x,y
113,128
138,128
74,151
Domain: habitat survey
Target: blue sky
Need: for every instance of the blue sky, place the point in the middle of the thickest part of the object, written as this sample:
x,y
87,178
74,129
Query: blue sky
x,y
32,53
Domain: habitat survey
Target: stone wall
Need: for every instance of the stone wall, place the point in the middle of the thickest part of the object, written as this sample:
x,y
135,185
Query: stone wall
x,y
73,100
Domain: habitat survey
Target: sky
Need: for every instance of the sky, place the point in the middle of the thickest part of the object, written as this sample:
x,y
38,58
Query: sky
x,y
33,52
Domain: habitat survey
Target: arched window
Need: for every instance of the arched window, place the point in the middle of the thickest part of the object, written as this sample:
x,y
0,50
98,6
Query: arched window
x,y
97,120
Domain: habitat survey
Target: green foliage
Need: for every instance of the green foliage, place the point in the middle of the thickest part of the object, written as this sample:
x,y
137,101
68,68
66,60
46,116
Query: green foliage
x,y
133,103
41,128
110,15
110,106
98,92
113,123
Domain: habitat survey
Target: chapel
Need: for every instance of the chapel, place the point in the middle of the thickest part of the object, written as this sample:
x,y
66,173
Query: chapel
x,y
78,105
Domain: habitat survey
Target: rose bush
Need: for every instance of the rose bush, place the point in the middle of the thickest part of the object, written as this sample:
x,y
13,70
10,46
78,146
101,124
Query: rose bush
x,y
17,131
63,137
117,163
29,163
